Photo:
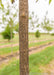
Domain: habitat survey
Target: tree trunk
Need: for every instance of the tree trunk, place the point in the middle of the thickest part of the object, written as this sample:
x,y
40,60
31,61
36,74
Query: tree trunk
x,y
23,37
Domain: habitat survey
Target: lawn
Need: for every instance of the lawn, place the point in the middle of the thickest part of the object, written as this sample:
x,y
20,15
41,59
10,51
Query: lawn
x,y
32,38
35,61
7,50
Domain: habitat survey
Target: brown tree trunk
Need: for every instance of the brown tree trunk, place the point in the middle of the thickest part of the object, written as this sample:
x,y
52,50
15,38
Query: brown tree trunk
x,y
23,37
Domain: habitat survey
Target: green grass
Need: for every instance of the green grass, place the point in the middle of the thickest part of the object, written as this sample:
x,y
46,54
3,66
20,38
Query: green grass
x,y
31,39
40,43
8,43
5,42
35,61
7,50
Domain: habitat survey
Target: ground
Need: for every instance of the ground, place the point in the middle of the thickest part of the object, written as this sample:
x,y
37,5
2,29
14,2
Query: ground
x,y
49,68
41,55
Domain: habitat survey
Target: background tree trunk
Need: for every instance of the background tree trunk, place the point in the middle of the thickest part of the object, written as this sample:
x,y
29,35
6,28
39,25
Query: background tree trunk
x,y
23,37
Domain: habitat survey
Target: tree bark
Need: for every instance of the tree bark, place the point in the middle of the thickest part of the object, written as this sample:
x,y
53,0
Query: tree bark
x,y
23,37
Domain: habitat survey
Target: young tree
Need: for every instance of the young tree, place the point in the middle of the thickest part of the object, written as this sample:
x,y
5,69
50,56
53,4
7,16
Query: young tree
x,y
8,14
37,34
7,33
33,21
46,25
23,37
